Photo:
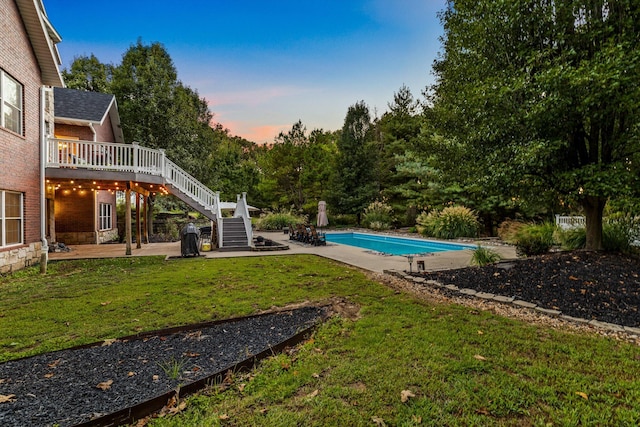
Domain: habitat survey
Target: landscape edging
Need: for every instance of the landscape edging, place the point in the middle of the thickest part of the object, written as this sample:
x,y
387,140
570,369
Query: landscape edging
x,y
510,300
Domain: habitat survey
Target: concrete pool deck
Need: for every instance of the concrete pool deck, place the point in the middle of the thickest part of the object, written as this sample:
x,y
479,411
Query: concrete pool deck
x,y
350,255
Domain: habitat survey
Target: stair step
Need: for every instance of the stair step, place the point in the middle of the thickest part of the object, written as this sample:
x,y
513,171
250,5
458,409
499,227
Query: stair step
x,y
234,248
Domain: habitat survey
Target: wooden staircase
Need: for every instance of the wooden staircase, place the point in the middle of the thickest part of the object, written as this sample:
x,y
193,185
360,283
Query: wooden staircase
x,y
134,162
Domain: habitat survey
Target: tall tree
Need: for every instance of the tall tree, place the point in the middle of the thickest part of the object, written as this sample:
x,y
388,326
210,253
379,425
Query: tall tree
x,y
354,185
541,96
88,73
319,157
232,166
144,85
284,165
401,178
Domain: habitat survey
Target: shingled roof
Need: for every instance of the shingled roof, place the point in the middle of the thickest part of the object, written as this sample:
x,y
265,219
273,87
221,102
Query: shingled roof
x,y
83,107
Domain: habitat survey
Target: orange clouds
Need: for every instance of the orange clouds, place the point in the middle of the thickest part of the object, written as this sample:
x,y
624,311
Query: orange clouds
x,y
259,134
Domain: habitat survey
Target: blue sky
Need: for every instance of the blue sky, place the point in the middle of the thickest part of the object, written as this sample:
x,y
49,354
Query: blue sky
x,y
264,65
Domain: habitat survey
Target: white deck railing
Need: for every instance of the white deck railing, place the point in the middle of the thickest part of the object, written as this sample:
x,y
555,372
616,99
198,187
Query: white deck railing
x,y
64,153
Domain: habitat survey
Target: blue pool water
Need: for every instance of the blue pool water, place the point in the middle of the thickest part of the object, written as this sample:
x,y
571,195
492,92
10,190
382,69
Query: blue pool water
x,y
393,245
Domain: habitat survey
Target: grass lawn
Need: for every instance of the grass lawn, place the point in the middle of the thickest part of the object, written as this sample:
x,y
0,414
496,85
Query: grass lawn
x,y
403,362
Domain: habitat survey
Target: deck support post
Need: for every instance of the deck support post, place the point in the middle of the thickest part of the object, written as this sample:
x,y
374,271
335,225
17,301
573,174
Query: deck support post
x,y
145,218
138,228
127,220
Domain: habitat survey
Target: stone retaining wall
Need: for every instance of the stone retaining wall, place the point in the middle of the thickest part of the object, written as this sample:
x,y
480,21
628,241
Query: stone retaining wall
x,y
16,259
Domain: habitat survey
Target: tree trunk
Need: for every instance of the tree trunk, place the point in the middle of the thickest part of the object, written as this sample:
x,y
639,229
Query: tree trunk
x,y
593,208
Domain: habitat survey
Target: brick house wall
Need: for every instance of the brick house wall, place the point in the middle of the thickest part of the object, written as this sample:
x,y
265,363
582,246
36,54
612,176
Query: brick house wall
x,y
76,212
20,154
83,133
104,132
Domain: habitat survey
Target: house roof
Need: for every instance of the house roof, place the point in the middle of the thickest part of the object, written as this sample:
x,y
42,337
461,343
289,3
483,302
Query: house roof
x,y
83,108
43,39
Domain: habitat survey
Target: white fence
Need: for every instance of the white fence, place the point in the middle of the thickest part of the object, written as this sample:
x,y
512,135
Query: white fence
x,y
566,222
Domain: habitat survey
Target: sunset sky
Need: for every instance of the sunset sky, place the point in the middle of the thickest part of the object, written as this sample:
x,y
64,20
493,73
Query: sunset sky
x,y
264,65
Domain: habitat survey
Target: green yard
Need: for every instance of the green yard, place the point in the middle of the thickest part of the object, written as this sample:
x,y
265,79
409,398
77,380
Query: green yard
x,y
402,362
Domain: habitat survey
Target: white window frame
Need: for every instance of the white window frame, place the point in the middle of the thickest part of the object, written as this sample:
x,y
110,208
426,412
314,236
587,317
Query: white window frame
x,y
4,219
106,216
6,105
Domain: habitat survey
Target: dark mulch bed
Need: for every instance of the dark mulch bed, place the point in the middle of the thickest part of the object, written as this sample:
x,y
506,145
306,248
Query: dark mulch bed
x,y
588,285
62,388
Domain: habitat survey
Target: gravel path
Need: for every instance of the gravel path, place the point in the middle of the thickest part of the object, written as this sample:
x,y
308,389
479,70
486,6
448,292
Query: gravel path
x,y
70,387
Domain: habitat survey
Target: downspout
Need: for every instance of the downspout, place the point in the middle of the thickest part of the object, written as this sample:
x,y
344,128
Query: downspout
x,y
44,253
95,195
93,130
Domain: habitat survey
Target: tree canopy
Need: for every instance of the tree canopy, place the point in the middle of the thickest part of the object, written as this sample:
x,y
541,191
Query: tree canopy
x,y
534,111
541,97
354,185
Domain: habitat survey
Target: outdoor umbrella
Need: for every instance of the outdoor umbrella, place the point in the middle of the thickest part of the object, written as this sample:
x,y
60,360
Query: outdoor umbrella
x,y
322,214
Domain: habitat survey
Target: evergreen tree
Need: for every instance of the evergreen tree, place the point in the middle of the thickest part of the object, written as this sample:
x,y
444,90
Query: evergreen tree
x,y
354,184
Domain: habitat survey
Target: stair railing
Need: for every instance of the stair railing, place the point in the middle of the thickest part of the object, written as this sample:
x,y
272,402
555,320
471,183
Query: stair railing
x,y
242,211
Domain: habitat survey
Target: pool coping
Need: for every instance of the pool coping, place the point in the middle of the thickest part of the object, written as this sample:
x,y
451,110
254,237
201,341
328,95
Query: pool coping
x,y
458,246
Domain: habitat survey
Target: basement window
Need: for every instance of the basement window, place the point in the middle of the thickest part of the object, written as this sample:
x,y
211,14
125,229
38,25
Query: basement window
x,y
11,218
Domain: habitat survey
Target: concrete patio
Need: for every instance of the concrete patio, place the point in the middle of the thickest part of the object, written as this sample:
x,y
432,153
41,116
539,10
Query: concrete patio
x,y
356,257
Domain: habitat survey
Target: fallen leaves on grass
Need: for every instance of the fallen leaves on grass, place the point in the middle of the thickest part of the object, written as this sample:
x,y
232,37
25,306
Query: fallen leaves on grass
x,y
405,395
582,395
478,357
108,342
378,421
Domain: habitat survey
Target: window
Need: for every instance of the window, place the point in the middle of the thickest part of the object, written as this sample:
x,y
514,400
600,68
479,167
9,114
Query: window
x,y
10,103
11,218
105,216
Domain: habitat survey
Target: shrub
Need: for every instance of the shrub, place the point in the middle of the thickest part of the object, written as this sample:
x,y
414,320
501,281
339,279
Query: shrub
x,y
573,238
278,220
378,216
450,223
535,239
618,234
484,256
508,230
342,220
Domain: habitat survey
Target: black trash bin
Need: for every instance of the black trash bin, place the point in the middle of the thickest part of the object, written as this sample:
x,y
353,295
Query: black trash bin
x,y
189,241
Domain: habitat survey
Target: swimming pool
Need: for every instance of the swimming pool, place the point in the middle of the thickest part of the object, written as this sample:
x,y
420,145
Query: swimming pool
x,y
393,245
